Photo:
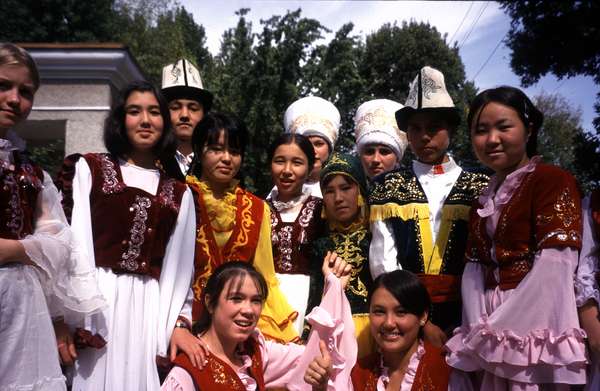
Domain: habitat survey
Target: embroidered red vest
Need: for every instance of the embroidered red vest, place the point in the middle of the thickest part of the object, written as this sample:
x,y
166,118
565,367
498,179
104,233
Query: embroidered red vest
x,y
130,227
219,376
292,242
241,245
21,183
432,373
544,212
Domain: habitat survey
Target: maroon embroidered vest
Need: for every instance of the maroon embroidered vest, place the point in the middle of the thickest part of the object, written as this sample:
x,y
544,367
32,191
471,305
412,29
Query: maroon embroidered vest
x,y
219,376
292,242
544,212
432,373
21,183
130,227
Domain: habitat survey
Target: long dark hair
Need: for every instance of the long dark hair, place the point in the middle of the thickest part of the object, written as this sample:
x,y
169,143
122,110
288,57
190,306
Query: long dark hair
x,y
115,133
516,99
207,133
294,138
232,270
406,288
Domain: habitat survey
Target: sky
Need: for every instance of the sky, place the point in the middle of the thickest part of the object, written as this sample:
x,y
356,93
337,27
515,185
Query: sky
x,y
479,28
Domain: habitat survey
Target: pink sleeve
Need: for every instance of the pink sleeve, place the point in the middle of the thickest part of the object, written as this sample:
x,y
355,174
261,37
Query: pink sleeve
x,y
586,287
278,360
331,322
472,291
533,327
178,380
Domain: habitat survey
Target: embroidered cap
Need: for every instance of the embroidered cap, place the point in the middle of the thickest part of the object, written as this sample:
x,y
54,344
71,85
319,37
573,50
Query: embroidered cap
x,y
428,94
374,123
181,80
348,165
313,116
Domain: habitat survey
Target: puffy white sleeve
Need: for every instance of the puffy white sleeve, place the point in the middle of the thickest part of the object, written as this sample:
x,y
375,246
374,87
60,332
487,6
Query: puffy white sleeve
x,y
69,285
383,256
586,287
176,274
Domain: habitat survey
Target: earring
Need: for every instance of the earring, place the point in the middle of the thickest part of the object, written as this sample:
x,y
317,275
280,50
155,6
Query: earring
x,y
422,323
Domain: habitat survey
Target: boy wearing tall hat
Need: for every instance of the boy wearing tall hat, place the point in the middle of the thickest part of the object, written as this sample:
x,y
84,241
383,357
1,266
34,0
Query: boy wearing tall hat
x,y
188,102
419,215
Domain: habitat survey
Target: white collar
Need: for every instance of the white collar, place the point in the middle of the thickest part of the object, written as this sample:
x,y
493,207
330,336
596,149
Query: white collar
x,y
434,170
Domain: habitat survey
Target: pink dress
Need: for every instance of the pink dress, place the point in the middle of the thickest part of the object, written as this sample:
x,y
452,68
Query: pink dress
x,y
586,285
284,365
519,339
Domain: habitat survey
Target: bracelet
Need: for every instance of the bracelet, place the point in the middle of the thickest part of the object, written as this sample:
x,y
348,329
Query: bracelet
x,y
182,324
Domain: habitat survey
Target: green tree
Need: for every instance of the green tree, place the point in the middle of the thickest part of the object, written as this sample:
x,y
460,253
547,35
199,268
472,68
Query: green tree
x,y
561,124
563,142
258,76
394,55
558,37
333,73
56,21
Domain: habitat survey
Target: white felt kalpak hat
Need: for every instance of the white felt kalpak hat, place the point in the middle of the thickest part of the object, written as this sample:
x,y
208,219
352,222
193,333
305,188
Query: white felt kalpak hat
x,y
313,116
428,94
374,123
181,80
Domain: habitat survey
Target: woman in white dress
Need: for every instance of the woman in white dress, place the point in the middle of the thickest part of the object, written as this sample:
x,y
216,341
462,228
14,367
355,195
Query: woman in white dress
x,y
39,280
136,226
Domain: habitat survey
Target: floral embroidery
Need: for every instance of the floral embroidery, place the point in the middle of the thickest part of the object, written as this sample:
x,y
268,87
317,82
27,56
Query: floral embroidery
x,y
347,246
305,218
429,86
411,100
561,235
285,248
245,224
202,271
166,196
220,377
565,208
140,207
111,184
15,222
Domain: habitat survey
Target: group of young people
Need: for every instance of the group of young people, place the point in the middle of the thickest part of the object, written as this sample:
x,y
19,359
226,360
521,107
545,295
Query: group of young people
x,y
151,267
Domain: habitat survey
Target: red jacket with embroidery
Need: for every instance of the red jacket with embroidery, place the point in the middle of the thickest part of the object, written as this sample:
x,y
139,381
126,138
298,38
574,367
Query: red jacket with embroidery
x,y
544,212
241,245
432,373
219,376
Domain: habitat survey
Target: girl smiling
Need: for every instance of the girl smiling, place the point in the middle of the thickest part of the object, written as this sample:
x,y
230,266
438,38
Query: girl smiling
x,y
295,218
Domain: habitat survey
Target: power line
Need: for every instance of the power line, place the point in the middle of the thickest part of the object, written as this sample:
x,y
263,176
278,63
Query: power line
x,y
473,25
489,57
461,22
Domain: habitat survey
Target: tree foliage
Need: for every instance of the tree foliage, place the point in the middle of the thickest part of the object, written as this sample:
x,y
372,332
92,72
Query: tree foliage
x,y
558,37
260,70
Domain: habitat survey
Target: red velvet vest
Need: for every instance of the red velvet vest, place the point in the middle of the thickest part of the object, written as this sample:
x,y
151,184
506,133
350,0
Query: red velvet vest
x,y
21,183
219,376
292,242
241,245
544,212
130,227
432,373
